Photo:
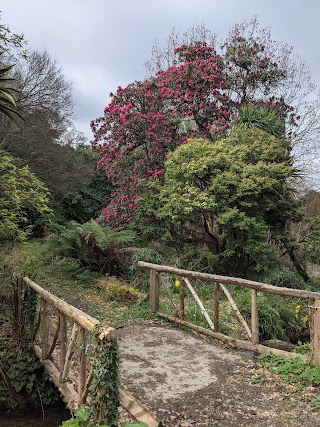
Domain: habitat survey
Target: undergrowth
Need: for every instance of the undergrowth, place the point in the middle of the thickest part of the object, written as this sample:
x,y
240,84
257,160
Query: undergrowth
x,y
294,371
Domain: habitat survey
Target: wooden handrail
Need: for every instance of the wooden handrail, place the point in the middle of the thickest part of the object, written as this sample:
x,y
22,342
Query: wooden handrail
x,y
78,316
230,280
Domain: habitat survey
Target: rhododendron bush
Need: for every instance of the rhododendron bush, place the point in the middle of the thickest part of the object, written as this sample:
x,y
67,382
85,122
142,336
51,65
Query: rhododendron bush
x,y
198,95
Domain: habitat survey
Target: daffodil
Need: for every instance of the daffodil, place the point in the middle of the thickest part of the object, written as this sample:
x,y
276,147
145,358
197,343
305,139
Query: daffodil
x,y
298,309
177,284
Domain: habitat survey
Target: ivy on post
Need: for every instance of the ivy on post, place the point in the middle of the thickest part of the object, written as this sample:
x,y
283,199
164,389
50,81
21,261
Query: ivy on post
x,y
315,333
104,396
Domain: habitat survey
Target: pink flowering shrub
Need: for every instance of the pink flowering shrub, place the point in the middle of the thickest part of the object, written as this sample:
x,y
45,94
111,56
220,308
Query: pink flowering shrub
x,y
197,97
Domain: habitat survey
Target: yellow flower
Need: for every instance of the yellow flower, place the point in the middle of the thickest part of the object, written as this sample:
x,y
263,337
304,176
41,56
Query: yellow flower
x,y
177,284
298,309
305,319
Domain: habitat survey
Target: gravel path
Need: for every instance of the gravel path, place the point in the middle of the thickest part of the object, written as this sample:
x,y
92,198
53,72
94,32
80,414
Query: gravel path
x,y
187,381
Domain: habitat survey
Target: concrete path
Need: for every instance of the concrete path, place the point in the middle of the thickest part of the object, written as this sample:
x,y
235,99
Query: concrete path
x,y
186,381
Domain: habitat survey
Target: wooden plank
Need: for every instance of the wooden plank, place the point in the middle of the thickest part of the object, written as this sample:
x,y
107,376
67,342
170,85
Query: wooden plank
x,y
230,280
166,288
254,317
216,306
63,342
87,385
314,315
44,327
82,366
236,310
70,350
181,299
154,291
78,316
54,341
198,301
65,389
233,342
138,410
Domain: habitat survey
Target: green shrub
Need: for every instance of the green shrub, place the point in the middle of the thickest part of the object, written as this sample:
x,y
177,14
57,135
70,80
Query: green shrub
x,y
283,276
279,317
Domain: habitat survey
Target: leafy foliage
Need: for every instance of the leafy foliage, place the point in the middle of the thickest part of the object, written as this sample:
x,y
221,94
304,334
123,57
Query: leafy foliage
x,y
8,104
104,389
24,199
198,95
228,195
95,246
292,370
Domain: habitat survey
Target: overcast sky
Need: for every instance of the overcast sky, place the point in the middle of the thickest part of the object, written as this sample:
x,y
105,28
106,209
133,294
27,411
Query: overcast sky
x,y
101,44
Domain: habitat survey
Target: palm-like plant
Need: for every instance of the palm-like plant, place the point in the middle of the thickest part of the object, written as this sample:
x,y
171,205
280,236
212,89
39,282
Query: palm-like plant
x,y
8,104
267,119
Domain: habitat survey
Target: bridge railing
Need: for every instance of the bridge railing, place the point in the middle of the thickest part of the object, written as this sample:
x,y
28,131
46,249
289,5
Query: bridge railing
x,y
61,336
219,284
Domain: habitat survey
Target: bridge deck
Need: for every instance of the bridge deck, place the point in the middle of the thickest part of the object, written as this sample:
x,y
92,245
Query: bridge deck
x,y
189,382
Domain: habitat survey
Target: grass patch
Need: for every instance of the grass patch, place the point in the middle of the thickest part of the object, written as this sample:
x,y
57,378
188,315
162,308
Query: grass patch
x,y
303,377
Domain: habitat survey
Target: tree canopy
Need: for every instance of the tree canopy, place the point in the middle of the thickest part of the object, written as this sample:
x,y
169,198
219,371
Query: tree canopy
x,y
230,194
24,199
199,94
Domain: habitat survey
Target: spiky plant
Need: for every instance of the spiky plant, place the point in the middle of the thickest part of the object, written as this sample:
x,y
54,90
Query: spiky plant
x,y
8,105
267,119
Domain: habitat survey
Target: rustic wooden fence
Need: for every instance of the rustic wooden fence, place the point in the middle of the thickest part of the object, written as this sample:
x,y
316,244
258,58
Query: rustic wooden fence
x,y
219,282
61,336
62,343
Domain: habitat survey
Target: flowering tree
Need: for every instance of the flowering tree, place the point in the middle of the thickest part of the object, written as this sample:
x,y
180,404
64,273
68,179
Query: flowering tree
x,y
147,119
197,96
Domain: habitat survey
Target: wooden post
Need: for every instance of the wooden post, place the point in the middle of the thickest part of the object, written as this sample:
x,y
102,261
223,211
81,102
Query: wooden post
x,y
216,306
314,314
154,291
82,367
254,317
63,342
236,310
44,327
181,297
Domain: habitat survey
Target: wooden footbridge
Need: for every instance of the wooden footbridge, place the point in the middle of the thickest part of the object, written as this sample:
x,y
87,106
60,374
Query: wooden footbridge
x,y
61,332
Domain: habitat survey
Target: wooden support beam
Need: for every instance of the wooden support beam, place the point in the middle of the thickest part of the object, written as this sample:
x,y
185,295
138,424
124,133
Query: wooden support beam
x,y
166,288
67,391
87,385
78,316
82,365
70,350
216,306
230,280
198,301
233,342
44,327
181,299
254,317
138,410
54,341
154,291
63,342
314,320
236,310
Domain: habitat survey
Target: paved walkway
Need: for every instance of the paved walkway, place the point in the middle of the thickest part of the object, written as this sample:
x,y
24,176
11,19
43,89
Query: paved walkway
x,y
186,381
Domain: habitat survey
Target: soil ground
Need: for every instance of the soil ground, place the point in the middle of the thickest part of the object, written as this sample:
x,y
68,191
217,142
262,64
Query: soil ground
x,y
190,381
